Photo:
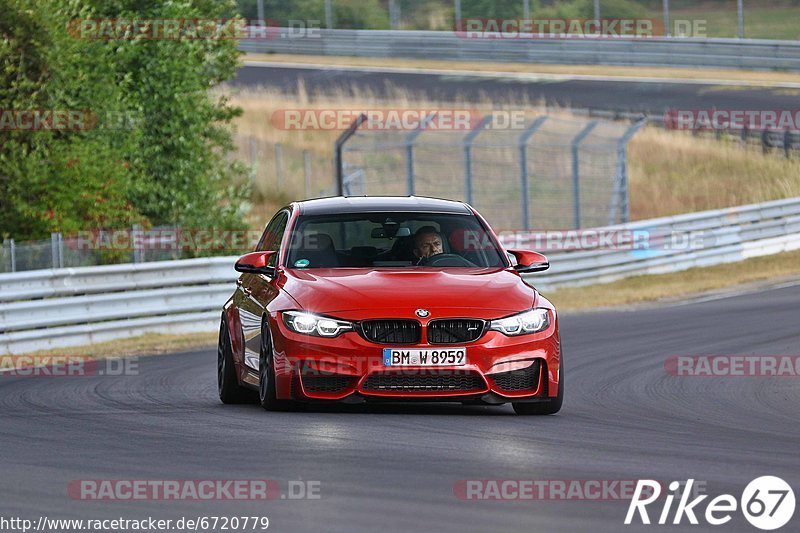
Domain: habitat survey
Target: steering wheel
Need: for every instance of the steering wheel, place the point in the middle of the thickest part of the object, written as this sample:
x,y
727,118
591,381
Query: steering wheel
x,y
446,260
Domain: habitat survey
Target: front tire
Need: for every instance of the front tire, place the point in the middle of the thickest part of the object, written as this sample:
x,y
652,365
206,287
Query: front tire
x,y
548,407
230,392
267,390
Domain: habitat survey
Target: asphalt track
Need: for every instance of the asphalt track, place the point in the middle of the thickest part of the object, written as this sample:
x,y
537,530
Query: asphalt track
x,y
645,96
392,468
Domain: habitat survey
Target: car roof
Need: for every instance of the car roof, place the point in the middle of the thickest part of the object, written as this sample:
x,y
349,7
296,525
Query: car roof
x,y
372,204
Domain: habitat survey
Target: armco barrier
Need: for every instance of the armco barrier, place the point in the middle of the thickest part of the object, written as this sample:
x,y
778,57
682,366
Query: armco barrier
x,y
447,45
43,309
67,307
726,235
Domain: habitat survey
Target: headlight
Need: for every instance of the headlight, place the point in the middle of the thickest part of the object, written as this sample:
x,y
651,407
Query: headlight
x,y
318,326
532,321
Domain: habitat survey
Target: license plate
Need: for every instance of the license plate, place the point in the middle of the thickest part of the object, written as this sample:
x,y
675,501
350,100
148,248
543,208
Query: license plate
x,y
416,357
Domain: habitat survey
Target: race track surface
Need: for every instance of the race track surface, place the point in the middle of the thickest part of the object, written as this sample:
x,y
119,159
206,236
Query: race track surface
x,y
652,97
392,468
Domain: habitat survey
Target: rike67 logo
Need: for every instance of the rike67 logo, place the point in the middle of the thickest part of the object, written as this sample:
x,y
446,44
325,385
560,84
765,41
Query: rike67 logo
x,y
767,503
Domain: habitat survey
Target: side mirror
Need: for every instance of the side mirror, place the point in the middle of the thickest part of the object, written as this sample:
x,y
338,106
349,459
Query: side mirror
x,y
255,263
528,261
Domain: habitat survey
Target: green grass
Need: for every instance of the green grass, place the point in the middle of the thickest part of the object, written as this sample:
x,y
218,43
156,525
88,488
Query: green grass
x,y
781,21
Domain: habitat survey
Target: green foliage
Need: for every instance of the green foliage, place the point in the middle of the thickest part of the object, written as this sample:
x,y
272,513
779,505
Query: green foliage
x,y
354,14
623,9
158,151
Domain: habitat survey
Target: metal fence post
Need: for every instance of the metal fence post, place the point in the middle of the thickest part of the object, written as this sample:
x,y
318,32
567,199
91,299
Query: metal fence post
x,y
253,160
338,146
54,249
576,176
620,195
60,250
13,250
394,14
137,239
279,165
328,14
457,10
740,13
468,138
409,141
523,169
667,29
307,173
787,143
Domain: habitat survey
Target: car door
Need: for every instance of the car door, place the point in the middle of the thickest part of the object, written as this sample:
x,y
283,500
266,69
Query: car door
x,y
258,290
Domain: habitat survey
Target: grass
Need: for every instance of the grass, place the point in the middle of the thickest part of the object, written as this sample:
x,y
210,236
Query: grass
x,y
775,21
671,172
150,344
674,172
754,77
677,285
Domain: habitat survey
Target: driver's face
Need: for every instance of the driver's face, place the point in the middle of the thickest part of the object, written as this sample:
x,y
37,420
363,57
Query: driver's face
x,y
428,244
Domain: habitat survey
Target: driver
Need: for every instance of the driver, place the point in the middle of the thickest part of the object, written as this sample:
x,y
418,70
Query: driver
x,y
427,243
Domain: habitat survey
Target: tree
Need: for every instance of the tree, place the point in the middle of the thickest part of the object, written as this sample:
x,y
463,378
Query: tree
x,y
157,153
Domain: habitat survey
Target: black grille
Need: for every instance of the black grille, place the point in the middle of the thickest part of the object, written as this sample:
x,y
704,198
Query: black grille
x,y
455,330
516,380
391,331
333,383
442,381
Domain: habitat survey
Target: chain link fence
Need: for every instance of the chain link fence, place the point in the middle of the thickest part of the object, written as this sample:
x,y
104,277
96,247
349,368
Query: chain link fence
x,y
97,247
278,169
752,19
555,173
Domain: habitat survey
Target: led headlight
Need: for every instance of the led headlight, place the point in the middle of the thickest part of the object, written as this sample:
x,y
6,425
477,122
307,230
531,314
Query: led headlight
x,y
319,326
532,321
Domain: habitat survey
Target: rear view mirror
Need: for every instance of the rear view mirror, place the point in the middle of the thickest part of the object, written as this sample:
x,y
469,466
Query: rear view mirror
x,y
381,233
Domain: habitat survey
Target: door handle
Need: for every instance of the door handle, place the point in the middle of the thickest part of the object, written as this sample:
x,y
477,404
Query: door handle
x,y
246,291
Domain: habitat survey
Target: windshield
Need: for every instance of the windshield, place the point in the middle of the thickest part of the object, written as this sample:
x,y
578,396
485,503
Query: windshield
x,y
364,240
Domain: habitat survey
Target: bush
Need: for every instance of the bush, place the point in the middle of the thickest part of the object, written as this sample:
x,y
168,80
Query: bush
x,y
165,162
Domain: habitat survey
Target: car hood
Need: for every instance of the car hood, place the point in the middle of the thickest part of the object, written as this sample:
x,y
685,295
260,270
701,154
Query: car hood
x,y
349,289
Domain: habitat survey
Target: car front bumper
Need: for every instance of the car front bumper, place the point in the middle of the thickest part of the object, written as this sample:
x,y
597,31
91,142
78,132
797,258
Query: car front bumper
x,y
350,368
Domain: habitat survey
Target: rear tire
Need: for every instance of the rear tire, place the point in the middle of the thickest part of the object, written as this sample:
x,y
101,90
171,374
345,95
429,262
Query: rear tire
x,y
267,390
548,407
230,392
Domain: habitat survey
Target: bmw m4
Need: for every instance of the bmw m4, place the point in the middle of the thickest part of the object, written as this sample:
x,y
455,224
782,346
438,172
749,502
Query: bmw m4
x,y
357,299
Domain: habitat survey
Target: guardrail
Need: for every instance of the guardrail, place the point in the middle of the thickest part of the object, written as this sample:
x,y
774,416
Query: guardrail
x,y
671,244
72,306
64,307
448,45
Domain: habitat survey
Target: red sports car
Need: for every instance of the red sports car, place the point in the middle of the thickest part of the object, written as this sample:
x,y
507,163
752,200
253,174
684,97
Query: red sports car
x,y
392,299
